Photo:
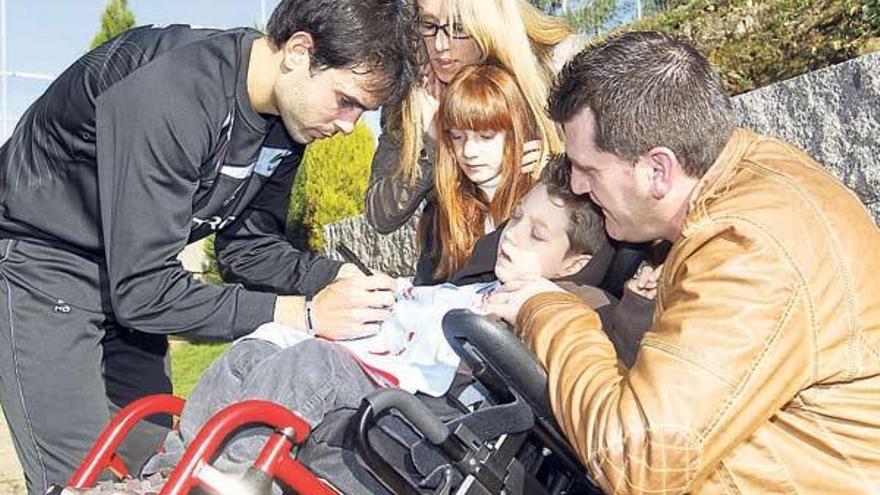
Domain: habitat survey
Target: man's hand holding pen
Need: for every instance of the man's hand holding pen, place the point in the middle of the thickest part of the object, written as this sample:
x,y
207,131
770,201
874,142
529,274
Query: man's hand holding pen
x,y
354,305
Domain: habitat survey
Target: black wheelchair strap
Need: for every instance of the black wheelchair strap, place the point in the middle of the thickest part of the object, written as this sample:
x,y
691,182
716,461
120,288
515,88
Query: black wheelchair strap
x,y
486,424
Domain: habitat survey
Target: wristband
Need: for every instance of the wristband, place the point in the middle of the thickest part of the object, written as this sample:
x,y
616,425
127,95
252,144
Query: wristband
x,y
311,329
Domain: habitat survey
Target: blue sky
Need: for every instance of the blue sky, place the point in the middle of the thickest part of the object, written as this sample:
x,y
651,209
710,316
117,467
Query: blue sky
x,y
45,36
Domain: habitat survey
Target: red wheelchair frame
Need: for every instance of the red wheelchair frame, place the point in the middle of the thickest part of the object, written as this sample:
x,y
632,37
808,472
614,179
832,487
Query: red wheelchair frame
x,y
533,460
194,469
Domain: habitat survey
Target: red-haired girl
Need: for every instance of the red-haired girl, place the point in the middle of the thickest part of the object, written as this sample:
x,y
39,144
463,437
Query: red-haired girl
x,y
484,121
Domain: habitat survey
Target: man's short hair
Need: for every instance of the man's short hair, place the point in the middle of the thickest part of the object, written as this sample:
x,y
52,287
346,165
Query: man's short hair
x,y
380,35
647,89
586,226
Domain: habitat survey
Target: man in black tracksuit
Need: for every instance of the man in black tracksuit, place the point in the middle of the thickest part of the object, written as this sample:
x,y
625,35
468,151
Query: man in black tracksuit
x,y
156,139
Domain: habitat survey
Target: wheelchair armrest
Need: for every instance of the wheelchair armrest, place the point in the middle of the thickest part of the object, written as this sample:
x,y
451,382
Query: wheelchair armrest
x,y
103,455
412,409
419,416
497,347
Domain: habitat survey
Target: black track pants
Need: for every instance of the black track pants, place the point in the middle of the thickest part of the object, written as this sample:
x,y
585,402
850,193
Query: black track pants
x,y
64,366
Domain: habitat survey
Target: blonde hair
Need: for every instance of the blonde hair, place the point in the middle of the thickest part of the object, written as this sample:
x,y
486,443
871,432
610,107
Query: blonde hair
x,y
514,35
480,98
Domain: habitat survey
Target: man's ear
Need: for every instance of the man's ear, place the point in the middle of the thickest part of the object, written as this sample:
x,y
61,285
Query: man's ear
x,y
573,264
664,169
298,51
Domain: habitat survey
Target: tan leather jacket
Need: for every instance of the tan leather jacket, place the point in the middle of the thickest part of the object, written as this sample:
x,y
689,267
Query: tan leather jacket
x,y
761,372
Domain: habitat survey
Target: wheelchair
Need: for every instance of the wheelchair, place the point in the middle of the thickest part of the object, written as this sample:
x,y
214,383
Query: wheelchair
x,y
506,443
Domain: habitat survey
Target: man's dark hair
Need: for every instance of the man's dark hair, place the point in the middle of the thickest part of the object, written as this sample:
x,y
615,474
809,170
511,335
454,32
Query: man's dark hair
x,y
586,226
380,35
647,89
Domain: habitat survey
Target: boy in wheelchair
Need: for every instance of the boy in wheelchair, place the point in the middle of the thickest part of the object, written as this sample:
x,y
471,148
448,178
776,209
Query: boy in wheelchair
x,y
552,234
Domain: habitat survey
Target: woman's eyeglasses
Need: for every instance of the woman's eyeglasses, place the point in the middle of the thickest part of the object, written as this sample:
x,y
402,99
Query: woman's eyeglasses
x,y
451,30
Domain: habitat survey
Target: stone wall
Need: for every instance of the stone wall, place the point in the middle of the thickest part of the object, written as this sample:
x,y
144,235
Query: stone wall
x,y
394,254
832,113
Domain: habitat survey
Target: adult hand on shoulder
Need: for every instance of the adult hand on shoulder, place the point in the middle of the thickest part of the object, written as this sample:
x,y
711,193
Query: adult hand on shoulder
x,y
532,157
353,306
510,298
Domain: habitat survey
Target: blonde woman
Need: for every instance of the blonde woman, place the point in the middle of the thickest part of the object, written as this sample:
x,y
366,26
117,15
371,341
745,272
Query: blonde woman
x,y
509,33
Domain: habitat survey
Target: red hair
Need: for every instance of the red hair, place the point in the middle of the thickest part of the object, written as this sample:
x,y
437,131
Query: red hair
x,y
480,98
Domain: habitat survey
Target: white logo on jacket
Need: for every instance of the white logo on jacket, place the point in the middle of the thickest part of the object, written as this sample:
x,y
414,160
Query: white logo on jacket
x,y
266,164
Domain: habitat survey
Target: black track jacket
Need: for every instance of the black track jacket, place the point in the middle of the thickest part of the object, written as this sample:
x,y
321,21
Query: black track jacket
x,y
143,145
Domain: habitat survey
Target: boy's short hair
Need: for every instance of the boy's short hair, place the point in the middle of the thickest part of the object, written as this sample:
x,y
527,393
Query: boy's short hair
x,y
586,225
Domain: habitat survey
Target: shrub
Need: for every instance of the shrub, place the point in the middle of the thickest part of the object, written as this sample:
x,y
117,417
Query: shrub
x,y
756,43
331,185
116,18
871,14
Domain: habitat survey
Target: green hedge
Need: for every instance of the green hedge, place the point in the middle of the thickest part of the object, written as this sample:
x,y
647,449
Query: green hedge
x,y
756,43
331,185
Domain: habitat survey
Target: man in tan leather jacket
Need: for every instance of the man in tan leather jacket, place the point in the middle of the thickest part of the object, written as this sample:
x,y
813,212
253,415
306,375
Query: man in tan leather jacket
x,y
761,371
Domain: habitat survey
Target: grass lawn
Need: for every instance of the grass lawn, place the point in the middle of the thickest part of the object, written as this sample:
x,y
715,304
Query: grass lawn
x,y
189,361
